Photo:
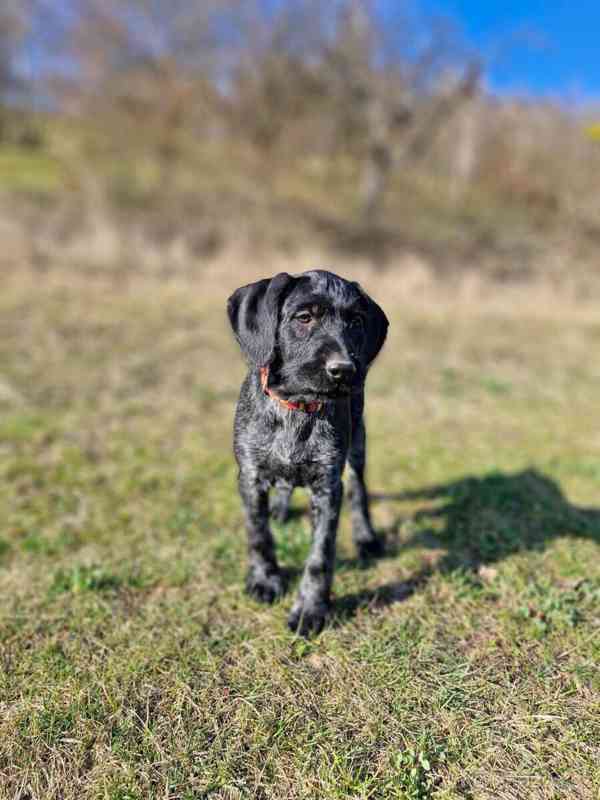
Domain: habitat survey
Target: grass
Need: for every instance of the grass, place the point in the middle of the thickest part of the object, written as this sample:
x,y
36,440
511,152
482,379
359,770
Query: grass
x,y
29,171
83,191
464,664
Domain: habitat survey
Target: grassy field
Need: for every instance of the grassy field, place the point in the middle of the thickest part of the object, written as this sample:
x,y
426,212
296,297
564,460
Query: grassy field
x,y
464,664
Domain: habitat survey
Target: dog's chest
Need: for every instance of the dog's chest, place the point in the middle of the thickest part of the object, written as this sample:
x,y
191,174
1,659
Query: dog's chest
x,y
299,450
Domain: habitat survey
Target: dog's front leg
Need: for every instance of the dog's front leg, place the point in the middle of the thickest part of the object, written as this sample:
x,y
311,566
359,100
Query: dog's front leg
x,y
263,580
312,606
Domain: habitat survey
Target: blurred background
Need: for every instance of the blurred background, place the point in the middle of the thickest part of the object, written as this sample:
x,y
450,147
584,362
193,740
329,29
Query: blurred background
x,y
434,141
155,155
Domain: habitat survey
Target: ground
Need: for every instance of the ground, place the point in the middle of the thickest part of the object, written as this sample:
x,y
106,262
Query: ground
x,y
464,664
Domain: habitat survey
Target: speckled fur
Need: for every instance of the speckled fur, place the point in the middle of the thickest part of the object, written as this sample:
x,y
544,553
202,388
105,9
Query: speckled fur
x,y
282,448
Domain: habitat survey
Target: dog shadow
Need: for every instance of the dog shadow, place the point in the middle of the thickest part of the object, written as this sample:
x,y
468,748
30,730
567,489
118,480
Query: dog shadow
x,y
483,520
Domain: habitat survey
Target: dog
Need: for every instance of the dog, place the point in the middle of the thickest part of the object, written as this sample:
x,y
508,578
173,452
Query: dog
x,y
309,341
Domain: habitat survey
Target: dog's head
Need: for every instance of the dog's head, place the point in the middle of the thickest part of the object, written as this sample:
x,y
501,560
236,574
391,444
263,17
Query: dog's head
x,y
317,332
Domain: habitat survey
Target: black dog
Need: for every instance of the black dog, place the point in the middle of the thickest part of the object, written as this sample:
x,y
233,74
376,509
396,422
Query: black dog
x,y
309,340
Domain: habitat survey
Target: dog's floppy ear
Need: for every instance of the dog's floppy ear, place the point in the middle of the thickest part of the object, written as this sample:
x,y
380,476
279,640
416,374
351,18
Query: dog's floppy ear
x,y
376,327
254,315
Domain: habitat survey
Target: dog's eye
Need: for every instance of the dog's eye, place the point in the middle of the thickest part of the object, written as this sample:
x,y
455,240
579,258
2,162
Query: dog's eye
x,y
304,316
356,322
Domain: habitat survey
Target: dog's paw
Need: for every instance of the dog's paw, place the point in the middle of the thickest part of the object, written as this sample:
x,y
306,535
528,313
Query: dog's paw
x,y
308,619
371,548
264,588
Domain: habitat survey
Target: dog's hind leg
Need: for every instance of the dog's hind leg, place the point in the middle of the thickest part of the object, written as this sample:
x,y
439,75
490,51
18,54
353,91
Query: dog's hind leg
x,y
367,542
263,581
280,502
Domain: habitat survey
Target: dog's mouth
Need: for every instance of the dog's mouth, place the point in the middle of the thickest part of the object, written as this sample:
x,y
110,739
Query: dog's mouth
x,y
300,388
340,391
320,395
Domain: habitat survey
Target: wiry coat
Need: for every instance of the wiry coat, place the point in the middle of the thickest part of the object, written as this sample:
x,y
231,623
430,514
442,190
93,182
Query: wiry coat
x,y
317,335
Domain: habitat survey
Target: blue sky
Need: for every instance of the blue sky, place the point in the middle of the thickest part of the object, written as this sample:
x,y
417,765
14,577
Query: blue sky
x,y
532,47
547,48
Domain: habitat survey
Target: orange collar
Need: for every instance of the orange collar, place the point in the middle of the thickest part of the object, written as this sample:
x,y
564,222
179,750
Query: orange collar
x,y
308,408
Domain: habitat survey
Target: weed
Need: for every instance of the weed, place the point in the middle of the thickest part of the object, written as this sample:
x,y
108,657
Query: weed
x,y
548,606
90,578
414,773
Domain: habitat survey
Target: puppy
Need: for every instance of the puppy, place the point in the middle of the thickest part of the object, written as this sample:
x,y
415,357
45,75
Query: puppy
x,y
309,341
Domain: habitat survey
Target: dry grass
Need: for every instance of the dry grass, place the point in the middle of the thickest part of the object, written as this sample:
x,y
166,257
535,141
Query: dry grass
x,y
464,664
111,212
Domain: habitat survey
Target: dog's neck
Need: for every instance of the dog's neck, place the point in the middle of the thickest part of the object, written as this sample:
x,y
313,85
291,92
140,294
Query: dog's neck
x,y
311,407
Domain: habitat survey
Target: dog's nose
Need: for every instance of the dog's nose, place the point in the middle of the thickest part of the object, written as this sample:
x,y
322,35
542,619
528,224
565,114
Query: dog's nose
x,y
340,370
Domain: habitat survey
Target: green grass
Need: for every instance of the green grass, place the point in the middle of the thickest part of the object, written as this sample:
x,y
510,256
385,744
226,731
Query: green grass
x,y
31,171
464,664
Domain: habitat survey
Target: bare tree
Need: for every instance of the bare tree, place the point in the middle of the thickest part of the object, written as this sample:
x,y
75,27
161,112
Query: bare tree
x,y
12,30
146,72
402,99
379,90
